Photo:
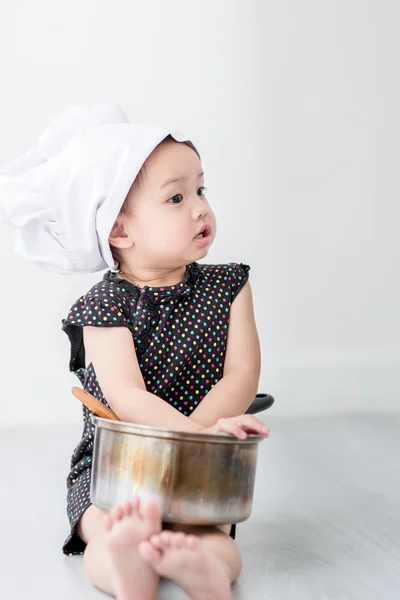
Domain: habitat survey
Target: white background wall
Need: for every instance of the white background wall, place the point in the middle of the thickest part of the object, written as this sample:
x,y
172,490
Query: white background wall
x,y
294,107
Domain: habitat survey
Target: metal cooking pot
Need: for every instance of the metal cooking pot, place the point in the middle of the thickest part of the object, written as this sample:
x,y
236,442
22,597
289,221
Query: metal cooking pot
x,y
198,479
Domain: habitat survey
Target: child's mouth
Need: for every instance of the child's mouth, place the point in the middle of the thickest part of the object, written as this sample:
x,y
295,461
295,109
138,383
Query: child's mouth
x,y
203,238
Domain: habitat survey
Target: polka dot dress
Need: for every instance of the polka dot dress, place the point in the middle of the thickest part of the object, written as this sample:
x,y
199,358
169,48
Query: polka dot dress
x,y
179,334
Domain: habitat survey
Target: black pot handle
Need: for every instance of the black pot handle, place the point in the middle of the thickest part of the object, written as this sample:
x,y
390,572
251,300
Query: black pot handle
x,y
261,402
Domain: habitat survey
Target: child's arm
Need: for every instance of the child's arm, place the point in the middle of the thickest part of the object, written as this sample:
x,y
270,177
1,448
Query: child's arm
x,y
234,393
113,356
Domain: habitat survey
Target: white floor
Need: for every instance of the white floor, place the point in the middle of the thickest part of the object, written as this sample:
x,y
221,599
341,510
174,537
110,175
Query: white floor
x,y
325,522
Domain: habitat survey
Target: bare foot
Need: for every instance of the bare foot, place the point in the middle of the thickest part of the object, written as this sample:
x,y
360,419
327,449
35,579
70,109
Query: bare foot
x,y
182,558
128,524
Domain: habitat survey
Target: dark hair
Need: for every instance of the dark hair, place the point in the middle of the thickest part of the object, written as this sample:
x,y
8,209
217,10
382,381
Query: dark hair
x,y
126,208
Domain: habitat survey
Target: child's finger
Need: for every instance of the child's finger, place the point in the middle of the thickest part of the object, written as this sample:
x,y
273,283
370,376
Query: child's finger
x,y
230,426
260,430
240,431
226,427
241,426
252,423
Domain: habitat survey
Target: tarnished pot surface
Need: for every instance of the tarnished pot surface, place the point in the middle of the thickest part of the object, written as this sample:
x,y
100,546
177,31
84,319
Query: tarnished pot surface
x,y
196,478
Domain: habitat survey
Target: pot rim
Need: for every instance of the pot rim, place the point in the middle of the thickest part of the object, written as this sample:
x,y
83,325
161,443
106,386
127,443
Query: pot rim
x,y
159,432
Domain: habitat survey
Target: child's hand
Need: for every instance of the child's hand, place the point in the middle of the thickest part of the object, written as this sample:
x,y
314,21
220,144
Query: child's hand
x,y
238,426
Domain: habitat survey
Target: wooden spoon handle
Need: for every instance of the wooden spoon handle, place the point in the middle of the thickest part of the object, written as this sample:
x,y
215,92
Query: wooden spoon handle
x,y
93,404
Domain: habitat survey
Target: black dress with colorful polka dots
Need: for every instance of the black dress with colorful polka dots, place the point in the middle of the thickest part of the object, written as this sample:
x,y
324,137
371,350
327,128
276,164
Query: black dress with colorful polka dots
x,y
180,335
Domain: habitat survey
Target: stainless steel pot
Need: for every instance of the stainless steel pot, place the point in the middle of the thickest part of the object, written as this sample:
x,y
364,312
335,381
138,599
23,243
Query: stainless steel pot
x,y
196,478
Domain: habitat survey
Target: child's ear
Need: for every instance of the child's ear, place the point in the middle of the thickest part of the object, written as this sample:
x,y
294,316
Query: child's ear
x,y
118,236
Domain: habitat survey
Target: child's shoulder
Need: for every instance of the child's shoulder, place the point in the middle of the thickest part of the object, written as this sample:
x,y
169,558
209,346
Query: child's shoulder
x,y
228,270
107,288
104,301
229,277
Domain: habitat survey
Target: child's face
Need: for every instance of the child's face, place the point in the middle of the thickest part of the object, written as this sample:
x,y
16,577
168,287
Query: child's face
x,y
164,218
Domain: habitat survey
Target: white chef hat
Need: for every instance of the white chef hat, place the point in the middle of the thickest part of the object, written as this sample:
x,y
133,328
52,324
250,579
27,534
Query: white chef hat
x,y
65,195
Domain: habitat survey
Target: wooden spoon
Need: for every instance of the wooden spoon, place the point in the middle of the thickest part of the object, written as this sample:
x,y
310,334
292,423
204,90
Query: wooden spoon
x,y
93,404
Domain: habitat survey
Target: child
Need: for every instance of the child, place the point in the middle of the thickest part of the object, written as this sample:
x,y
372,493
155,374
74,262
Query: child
x,y
161,339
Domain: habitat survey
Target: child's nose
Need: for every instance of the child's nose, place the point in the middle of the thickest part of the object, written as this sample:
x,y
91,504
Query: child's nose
x,y
200,209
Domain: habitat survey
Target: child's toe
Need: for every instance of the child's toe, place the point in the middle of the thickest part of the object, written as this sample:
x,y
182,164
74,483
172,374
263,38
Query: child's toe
x,y
150,510
178,540
166,538
127,508
149,553
116,513
192,542
107,521
157,541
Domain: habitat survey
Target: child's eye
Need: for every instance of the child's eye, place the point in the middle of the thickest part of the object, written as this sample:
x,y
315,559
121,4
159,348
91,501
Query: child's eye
x,y
177,196
202,191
